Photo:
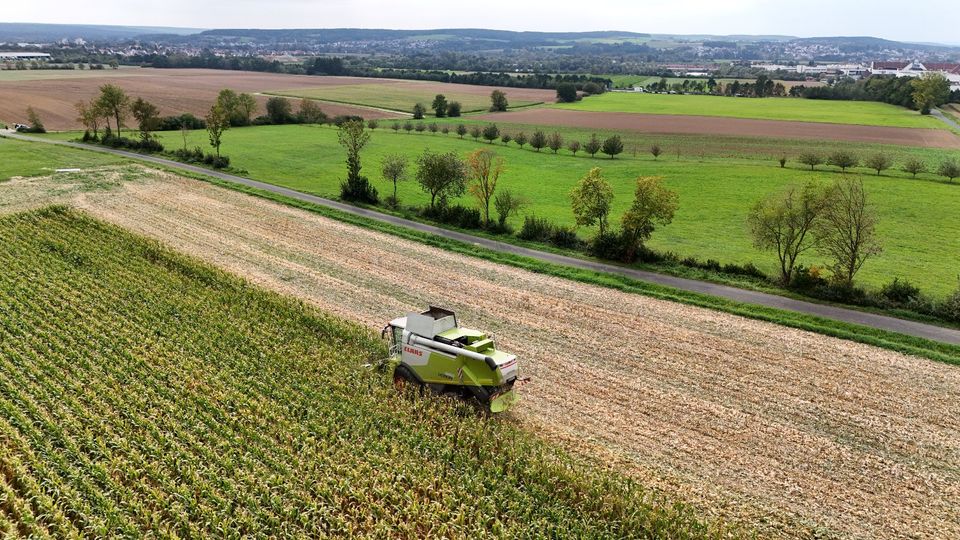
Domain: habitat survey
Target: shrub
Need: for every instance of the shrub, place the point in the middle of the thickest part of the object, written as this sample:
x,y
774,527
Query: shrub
x,y
420,127
807,279
395,126
359,191
611,245
782,161
949,308
453,109
342,119
457,215
565,237
899,292
536,229
433,127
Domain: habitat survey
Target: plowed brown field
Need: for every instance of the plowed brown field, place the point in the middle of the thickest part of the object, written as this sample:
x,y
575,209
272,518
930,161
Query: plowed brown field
x,y
176,91
788,431
734,127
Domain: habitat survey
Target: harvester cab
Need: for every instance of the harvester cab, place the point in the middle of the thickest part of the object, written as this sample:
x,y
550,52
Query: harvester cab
x,y
431,350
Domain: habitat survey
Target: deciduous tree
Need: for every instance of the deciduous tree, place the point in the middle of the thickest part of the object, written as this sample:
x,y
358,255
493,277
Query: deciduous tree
x,y
114,102
441,175
217,123
453,109
439,106
847,230
418,111
879,162
394,168
498,101
147,116
353,137
612,146
655,151
491,132
653,204
843,159
573,147
506,203
555,142
461,130
591,200
949,168
784,222
811,159
593,145
520,139
914,166
484,169
539,140
930,90
566,93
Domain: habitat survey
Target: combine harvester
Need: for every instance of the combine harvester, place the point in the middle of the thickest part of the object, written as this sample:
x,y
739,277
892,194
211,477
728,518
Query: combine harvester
x,y
430,350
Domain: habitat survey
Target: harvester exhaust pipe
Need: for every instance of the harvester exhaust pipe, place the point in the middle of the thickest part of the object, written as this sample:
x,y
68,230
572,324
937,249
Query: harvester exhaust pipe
x,y
417,340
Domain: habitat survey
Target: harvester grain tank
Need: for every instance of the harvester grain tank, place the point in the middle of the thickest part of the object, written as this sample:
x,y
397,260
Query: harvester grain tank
x,y
431,350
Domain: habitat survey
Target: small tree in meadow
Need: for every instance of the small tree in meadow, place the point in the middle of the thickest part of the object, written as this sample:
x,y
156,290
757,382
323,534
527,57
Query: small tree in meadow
x,y
573,147
491,133
812,159
433,127
372,124
949,169
538,141
653,204
506,138
420,127
655,150
453,109
418,111
352,137
555,142
612,146
408,126
593,145
520,139
879,162
784,222
441,175
843,160
394,168
445,130
217,122
506,204
914,166
782,161
461,130
476,132
395,127
847,230
147,116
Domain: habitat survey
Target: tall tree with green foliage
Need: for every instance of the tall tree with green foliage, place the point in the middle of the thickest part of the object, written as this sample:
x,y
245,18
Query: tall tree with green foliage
x,y
218,121
591,200
441,175
453,109
784,222
353,137
439,106
115,103
279,110
653,204
566,93
89,117
929,91
246,108
147,116
498,101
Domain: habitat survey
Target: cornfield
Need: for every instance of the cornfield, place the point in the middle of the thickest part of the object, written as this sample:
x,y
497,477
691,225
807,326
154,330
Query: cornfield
x,y
145,394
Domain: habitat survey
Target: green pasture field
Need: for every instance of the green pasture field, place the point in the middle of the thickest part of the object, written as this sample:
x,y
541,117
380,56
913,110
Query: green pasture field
x,y
920,236
169,399
18,158
396,97
628,81
866,113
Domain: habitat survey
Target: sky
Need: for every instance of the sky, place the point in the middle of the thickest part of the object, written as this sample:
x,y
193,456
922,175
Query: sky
x,y
916,21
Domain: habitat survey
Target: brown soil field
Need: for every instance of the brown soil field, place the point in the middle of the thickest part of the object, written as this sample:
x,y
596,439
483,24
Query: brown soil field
x,y
176,91
796,434
706,125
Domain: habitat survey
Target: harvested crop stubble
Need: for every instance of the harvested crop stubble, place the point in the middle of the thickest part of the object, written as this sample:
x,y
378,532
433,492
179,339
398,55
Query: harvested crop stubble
x,y
787,430
145,395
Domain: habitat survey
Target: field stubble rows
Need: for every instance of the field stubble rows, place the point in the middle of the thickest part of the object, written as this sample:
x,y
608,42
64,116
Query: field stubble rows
x,y
755,422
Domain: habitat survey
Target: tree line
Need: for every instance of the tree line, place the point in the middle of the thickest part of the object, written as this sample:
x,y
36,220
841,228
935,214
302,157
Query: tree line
x,y
918,93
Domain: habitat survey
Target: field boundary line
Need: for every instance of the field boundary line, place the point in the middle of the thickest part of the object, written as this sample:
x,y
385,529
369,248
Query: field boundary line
x,y
744,297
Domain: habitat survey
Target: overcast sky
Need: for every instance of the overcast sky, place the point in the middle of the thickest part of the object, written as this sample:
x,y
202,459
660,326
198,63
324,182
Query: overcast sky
x,y
917,20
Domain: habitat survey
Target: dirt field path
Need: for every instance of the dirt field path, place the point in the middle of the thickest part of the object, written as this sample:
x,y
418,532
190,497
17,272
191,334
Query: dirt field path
x,y
791,431
739,127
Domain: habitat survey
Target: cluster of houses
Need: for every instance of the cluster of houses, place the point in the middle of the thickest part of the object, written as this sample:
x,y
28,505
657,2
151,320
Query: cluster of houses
x,y
856,71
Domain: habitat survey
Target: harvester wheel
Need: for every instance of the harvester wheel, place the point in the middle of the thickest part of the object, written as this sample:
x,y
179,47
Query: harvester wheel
x,y
403,379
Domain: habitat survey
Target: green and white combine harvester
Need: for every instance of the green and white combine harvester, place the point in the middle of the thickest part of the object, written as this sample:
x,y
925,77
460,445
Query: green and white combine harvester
x,y
431,350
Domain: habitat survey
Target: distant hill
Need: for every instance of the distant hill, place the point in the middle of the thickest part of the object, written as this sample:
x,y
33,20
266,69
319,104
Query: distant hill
x,y
31,32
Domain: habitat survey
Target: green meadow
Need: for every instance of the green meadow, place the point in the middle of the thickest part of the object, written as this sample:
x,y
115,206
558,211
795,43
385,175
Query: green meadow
x,y
920,237
866,113
18,158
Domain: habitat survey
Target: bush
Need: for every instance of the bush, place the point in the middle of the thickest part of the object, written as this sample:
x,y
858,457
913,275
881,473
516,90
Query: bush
x,y
612,246
458,216
565,237
949,308
807,279
148,145
536,229
342,119
899,292
359,191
